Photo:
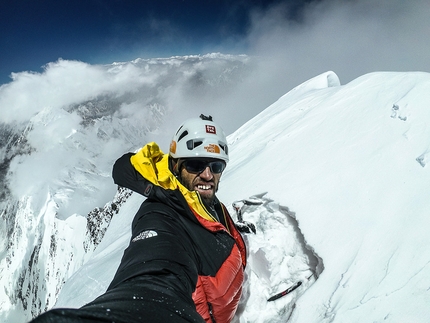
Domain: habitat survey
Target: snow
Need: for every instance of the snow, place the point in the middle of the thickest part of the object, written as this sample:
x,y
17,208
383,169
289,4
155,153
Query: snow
x,y
349,161
340,174
346,164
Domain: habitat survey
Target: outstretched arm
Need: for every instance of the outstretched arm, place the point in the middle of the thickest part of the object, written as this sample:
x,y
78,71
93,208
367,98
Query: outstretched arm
x,y
159,246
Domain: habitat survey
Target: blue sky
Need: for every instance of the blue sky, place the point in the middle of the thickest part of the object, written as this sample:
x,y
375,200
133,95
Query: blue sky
x,y
302,38
34,33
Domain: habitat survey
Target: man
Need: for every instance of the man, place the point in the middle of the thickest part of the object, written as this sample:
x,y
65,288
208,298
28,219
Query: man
x,y
186,259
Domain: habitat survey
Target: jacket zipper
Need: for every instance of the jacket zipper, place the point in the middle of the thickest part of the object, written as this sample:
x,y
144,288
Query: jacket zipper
x,y
211,312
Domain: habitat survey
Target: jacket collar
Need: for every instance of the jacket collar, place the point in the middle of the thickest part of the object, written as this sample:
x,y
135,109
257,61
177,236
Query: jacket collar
x,y
153,165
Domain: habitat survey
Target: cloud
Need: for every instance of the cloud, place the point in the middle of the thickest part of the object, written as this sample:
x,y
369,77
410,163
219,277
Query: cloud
x,y
63,83
350,37
79,118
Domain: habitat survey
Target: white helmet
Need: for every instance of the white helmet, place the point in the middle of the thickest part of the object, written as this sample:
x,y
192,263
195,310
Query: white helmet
x,y
199,138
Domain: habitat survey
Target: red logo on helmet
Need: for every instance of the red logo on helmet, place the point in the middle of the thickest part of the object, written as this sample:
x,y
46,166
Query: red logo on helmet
x,y
210,129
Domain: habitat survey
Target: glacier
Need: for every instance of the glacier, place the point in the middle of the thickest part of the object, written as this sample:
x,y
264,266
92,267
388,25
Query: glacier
x,y
340,173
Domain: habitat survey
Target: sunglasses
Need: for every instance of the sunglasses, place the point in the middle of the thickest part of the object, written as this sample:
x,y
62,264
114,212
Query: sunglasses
x,y
199,165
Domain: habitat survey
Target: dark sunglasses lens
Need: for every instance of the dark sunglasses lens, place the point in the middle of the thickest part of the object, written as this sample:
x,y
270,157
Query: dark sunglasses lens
x,y
198,166
217,167
195,166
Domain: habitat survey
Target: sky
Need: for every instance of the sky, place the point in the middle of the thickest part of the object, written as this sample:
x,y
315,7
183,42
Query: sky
x,y
342,174
388,34
35,33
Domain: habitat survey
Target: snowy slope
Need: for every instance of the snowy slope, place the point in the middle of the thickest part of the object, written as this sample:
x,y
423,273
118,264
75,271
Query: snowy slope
x,y
351,162
345,171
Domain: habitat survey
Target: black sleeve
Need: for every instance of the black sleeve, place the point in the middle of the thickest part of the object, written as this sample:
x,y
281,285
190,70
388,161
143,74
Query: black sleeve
x,y
159,246
125,175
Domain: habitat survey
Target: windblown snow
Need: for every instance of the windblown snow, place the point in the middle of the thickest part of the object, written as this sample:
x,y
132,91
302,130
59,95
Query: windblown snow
x,y
334,177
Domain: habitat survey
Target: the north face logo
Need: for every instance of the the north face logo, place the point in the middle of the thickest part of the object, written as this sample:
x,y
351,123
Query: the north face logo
x,y
145,235
211,148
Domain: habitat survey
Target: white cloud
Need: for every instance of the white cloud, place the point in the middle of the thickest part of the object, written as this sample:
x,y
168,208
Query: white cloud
x,y
350,37
61,84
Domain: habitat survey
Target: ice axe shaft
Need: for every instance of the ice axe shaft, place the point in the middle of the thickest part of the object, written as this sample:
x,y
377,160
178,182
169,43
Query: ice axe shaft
x,y
285,292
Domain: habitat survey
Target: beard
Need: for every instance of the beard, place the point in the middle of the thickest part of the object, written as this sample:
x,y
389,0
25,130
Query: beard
x,y
208,199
